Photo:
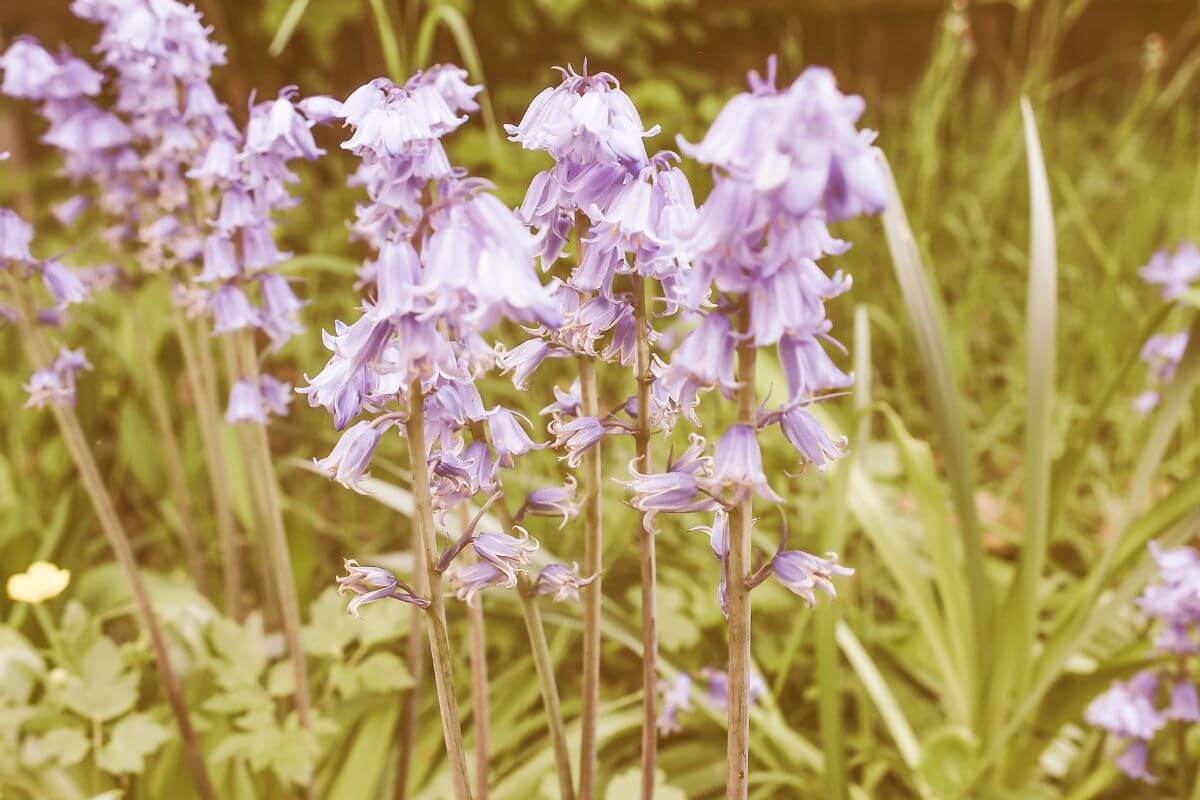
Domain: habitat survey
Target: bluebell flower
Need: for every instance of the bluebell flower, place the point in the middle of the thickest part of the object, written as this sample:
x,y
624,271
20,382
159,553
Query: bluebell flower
x,y
676,697
350,458
561,581
370,584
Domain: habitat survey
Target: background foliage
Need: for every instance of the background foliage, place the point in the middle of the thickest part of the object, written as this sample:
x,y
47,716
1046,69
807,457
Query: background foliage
x,y
915,707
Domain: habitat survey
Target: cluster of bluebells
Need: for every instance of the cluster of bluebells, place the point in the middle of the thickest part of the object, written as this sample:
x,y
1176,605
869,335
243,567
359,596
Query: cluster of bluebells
x,y
1175,274
248,174
157,58
677,695
55,383
64,286
1134,711
785,162
161,151
450,262
628,212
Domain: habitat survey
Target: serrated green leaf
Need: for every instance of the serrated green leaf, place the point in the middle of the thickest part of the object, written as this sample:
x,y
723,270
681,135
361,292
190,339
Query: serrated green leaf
x,y
63,746
132,739
330,628
240,651
281,679
384,672
20,664
240,700
104,689
289,752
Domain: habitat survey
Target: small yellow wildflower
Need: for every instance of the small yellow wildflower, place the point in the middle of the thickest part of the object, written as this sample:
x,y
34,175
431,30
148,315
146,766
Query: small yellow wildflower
x,y
39,583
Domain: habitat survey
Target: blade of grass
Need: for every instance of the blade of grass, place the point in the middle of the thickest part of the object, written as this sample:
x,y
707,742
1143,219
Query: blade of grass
x,y
454,22
1175,402
885,702
930,331
1083,436
1022,608
897,555
945,556
833,536
287,26
389,43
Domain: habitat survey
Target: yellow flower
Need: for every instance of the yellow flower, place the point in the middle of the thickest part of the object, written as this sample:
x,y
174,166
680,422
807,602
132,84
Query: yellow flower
x,y
39,583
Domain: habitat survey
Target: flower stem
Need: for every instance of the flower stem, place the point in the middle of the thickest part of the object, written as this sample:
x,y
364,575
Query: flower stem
x,y
544,667
738,567
51,632
262,479
477,651
1184,777
169,445
416,667
593,551
201,376
648,559
435,615
118,540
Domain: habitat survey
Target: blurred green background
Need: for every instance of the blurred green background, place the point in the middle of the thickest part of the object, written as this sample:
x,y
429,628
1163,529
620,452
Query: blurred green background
x,y
1114,87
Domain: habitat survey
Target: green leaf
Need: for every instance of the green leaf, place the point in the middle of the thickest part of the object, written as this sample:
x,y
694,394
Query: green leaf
x,y
289,752
287,26
239,649
8,491
104,688
133,739
384,672
925,314
20,664
330,628
281,679
134,432
677,629
950,761
881,694
388,41
63,746
247,699
460,31
629,784
946,558
1022,607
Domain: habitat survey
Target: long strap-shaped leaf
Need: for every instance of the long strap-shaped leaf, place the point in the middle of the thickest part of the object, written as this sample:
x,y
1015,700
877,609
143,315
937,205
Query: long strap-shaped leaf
x,y
1022,607
948,418
885,702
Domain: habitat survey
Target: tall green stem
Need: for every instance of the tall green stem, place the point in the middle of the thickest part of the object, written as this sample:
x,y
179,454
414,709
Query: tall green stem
x,y
169,446
416,667
543,665
738,569
118,540
262,479
593,552
646,542
477,660
435,615
201,375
